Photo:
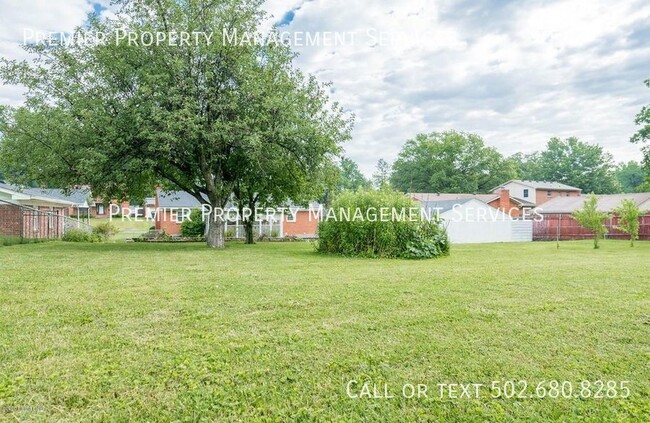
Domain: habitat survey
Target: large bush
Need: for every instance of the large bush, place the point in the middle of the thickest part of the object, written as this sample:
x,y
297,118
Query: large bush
x,y
194,226
404,234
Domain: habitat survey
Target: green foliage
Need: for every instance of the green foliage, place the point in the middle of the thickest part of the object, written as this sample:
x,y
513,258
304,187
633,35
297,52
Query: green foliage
x,y
629,215
350,177
630,176
194,226
590,218
449,162
377,237
78,235
572,162
200,117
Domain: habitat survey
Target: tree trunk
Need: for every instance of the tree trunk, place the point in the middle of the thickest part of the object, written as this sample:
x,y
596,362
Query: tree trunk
x,y
216,232
248,228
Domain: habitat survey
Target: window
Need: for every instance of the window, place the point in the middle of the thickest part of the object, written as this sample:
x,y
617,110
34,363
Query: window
x,y
525,193
100,209
549,193
179,216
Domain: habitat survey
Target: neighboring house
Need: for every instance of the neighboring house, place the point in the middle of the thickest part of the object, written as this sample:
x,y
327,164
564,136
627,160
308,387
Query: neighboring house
x,y
78,197
472,221
502,200
171,208
31,213
538,192
557,222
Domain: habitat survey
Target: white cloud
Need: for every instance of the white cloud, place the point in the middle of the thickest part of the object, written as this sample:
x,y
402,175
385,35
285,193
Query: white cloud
x,y
516,73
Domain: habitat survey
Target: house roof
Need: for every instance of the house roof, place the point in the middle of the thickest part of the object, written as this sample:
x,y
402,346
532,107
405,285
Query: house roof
x,y
34,194
606,203
78,196
540,185
437,197
523,203
174,199
486,198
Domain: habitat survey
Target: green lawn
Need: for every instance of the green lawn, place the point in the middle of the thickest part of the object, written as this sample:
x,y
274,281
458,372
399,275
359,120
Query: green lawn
x,y
274,332
127,228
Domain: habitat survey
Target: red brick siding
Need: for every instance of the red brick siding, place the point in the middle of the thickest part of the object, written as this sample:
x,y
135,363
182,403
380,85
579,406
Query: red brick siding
x,y
9,220
305,225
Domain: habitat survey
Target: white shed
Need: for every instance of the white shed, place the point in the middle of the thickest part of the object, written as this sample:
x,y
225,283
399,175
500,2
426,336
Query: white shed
x,y
471,221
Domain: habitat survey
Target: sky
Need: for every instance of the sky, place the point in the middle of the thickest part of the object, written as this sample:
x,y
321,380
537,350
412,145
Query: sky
x,y
515,72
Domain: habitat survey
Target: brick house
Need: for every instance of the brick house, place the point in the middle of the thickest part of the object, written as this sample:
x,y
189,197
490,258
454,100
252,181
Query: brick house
x,y
538,192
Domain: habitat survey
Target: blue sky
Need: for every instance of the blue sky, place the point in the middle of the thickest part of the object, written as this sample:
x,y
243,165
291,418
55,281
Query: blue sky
x,y
516,73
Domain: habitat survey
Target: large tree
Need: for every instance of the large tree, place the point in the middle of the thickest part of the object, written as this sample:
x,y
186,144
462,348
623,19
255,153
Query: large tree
x,y
574,163
451,161
350,177
199,116
630,176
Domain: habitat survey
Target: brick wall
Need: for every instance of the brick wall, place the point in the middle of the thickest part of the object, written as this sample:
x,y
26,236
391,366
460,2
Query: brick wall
x,y
9,220
306,225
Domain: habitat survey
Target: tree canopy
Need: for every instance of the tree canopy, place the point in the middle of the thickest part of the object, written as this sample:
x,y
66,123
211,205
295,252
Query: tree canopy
x,y
572,162
350,177
200,117
630,176
450,161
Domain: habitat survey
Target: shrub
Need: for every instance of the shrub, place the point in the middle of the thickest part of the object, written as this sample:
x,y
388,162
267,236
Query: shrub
x,y
194,226
104,231
77,235
405,235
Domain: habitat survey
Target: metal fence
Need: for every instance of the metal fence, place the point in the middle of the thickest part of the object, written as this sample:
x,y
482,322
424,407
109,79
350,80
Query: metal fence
x,y
564,227
28,222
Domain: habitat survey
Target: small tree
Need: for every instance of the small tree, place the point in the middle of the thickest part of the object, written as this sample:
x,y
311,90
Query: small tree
x,y
629,214
590,218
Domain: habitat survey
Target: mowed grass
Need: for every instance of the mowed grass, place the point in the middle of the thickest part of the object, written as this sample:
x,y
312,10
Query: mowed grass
x,y
274,331
127,227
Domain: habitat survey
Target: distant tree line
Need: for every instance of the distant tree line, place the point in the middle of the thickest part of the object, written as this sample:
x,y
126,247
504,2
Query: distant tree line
x,y
458,162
